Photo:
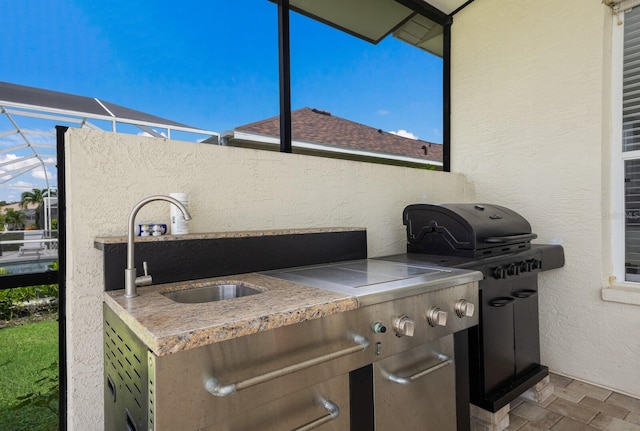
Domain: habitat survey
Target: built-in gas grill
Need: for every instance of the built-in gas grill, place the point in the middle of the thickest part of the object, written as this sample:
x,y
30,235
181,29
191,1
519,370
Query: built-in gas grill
x,y
504,350
469,230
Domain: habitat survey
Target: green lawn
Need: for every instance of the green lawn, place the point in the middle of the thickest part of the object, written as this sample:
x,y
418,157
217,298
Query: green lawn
x,y
26,352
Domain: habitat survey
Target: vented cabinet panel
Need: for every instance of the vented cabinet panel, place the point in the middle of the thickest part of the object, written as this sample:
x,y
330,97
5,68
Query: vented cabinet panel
x,y
125,377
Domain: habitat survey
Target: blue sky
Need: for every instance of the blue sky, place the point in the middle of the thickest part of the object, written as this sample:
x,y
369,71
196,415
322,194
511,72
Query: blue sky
x,y
213,64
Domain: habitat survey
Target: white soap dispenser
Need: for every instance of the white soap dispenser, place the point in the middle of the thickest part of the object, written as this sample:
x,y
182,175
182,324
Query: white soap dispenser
x,y
179,226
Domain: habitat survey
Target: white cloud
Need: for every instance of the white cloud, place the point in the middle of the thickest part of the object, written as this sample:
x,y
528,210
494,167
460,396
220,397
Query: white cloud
x,y
37,139
15,163
405,134
149,135
11,191
39,173
10,197
22,185
383,112
7,157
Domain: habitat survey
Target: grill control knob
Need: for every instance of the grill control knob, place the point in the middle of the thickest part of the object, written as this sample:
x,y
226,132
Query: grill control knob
x,y
437,317
465,308
513,269
379,328
403,326
499,272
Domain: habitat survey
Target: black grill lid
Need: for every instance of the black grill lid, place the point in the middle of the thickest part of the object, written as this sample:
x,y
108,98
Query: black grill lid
x,y
465,229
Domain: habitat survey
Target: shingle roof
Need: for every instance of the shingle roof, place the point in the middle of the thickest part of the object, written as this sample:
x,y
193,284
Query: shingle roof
x,y
31,96
316,126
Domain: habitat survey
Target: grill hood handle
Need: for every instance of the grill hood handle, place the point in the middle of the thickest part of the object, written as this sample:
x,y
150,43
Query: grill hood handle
x,y
510,238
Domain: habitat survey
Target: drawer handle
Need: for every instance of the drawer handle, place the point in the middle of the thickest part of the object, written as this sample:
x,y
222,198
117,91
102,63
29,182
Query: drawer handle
x,y
333,411
214,387
502,301
526,293
444,361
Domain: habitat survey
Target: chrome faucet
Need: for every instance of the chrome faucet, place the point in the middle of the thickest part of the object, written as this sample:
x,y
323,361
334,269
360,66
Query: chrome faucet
x,y
131,279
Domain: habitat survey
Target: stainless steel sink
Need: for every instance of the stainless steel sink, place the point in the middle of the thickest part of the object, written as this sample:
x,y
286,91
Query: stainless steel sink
x,y
212,292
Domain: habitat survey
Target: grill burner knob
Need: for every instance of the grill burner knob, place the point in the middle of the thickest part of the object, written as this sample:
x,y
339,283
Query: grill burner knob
x,y
465,308
516,268
437,317
379,328
404,326
499,272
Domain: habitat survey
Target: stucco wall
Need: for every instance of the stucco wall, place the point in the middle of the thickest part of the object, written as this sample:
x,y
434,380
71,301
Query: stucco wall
x,y
230,189
531,130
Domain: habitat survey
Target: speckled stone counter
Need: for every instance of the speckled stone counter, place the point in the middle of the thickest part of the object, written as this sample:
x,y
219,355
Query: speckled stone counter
x,y
101,241
167,327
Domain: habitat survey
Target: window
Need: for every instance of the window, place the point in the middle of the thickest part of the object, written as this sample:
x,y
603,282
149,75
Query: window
x,y
367,83
626,152
373,102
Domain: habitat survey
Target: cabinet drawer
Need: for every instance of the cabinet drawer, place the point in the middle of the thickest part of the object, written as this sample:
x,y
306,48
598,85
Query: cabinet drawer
x,y
415,390
325,404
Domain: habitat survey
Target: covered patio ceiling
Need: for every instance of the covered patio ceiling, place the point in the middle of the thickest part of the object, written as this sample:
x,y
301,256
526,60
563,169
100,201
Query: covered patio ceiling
x,y
416,22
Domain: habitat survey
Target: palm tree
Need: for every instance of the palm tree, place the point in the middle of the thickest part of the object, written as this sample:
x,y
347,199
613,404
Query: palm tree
x,y
14,218
35,196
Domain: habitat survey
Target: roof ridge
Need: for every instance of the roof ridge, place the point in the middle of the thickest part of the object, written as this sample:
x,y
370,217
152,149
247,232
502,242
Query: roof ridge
x,y
315,126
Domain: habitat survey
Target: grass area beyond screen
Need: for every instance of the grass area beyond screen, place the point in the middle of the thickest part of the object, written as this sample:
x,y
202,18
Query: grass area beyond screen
x,y
26,353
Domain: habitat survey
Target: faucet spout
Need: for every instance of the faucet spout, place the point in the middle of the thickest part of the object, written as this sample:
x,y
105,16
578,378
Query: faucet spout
x,y
131,279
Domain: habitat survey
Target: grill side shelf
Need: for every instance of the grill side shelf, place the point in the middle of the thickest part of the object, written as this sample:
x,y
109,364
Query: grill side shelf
x,y
552,256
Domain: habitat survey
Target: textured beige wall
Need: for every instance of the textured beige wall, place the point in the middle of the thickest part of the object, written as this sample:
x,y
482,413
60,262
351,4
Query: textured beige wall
x,y
531,130
230,189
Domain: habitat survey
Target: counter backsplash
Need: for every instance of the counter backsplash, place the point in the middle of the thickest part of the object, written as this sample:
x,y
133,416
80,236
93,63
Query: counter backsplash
x,y
194,256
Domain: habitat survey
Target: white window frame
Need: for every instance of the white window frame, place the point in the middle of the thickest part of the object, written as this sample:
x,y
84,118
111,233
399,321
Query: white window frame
x,y
619,290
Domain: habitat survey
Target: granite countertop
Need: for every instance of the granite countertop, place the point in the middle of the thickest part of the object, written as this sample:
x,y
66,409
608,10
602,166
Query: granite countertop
x,y
101,241
168,327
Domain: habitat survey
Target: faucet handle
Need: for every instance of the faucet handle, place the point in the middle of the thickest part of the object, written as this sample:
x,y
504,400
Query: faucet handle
x,y
146,279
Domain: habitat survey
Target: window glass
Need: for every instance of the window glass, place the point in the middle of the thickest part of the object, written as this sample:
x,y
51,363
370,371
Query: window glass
x,y
632,219
631,144
368,89
354,99
631,82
